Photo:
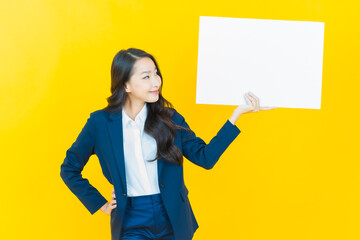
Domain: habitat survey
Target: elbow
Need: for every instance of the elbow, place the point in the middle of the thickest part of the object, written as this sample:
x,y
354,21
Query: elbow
x,y
63,173
206,162
208,166
68,172
210,162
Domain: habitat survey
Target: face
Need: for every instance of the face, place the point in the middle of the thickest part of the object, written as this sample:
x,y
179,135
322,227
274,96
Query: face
x,y
144,84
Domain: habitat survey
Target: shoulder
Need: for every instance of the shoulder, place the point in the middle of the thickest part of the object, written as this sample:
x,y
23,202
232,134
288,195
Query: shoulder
x,y
101,113
176,116
99,116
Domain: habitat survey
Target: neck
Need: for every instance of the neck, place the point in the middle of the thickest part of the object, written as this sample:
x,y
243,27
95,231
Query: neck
x,y
132,109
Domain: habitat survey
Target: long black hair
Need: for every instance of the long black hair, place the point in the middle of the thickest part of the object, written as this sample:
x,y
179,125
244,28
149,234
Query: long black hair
x,y
158,123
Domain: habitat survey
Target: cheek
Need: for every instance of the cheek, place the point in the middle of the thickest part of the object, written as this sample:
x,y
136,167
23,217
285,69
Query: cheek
x,y
142,88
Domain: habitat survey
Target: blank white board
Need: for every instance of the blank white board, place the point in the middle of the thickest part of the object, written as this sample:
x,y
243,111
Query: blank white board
x,y
279,61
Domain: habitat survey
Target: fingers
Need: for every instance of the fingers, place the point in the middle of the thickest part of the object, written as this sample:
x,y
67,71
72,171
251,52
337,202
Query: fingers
x,y
113,200
250,100
250,106
254,101
113,196
113,204
267,108
256,98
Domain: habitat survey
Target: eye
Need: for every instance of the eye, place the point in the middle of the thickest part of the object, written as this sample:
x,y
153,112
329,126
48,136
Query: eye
x,y
148,76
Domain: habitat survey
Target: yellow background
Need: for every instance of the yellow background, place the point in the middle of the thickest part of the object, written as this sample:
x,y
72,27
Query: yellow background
x,y
290,174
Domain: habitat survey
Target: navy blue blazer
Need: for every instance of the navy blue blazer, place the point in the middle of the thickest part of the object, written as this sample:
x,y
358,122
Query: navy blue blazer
x,y
102,135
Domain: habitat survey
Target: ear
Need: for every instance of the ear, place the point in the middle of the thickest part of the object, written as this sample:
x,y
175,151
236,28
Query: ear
x,y
126,88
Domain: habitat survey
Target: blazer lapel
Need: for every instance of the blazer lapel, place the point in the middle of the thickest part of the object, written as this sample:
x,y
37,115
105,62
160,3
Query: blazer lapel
x,y
116,136
115,129
160,163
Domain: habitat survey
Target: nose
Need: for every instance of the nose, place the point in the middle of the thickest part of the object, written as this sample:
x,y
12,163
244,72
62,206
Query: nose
x,y
156,81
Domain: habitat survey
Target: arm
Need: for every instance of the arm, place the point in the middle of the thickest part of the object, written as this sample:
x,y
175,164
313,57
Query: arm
x,y
76,158
206,155
202,154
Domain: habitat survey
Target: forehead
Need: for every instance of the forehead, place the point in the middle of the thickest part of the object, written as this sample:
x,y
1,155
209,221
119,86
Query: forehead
x,y
143,64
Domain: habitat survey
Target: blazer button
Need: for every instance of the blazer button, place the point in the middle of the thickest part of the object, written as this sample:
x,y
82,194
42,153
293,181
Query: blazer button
x,y
124,194
161,185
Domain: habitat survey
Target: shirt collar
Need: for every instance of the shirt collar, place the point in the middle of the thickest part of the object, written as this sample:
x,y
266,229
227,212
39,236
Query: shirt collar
x,y
140,118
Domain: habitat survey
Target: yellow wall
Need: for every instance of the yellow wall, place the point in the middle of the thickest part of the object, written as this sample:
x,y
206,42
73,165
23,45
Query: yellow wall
x,y
290,174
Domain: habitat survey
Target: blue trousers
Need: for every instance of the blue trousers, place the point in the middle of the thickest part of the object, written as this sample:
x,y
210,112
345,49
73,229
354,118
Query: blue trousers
x,y
146,218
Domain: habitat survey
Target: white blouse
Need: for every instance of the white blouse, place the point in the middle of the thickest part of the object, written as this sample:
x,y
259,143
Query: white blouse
x,y
141,175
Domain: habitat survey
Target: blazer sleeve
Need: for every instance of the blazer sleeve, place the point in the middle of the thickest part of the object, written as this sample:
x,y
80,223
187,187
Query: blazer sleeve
x,y
76,158
202,154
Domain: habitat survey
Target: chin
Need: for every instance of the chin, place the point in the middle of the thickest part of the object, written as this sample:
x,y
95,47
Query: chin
x,y
153,100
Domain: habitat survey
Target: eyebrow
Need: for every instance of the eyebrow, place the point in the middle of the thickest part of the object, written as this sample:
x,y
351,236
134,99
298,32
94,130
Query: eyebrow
x,y
146,71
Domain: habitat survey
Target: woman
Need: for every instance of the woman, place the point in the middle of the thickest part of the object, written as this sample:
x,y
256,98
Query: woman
x,y
140,140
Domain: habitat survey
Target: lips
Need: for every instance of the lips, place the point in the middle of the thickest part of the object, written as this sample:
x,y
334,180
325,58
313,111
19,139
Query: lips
x,y
156,91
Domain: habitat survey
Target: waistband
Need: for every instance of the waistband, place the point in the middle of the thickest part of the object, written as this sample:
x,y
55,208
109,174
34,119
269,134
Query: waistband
x,y
141,200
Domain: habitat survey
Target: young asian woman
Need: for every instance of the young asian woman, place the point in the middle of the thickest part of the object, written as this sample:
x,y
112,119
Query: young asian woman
x,y
140,141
